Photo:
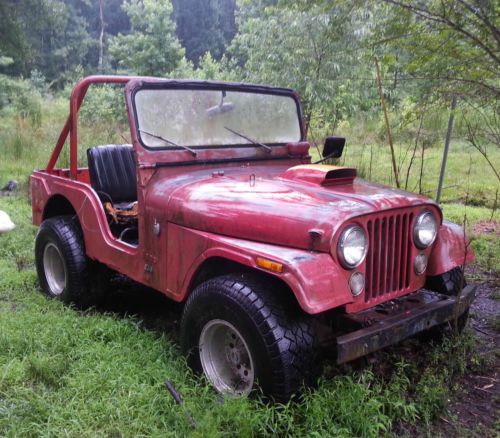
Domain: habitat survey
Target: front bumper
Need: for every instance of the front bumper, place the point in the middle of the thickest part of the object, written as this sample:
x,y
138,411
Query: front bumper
x,y
391,322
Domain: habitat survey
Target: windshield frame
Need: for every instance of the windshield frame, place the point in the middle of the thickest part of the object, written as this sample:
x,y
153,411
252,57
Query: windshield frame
x,y
214,86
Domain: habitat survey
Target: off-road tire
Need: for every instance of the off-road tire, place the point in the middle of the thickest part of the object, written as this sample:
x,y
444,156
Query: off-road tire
x,y
449,283
280,336
65,234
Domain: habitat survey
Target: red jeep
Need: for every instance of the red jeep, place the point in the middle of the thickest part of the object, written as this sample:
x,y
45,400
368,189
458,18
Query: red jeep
x,y
216,204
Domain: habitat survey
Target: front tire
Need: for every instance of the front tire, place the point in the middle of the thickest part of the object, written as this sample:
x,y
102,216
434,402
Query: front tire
x,y
61,262
242,333
449,283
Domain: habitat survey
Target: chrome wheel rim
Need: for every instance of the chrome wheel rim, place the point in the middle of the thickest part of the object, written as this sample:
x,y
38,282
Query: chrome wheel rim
x,y
54,268
226,359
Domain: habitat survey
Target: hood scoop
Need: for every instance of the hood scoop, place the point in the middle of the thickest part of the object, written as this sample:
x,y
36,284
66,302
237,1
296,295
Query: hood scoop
x,y
321,174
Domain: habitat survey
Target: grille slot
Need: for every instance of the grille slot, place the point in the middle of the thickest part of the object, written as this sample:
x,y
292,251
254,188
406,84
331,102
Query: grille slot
x,y
388,259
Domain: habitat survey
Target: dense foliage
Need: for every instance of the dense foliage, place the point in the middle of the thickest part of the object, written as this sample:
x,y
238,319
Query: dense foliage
x,y
205,26
151,47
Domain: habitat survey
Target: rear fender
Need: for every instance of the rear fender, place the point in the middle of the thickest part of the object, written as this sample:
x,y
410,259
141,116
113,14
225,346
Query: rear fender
x,y
100,244
452,249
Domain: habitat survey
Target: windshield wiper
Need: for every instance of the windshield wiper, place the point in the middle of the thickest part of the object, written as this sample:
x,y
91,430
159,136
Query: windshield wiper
x,y
166,140
266,147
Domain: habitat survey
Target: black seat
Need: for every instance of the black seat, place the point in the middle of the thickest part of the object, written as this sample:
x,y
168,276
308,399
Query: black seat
x,y
112,173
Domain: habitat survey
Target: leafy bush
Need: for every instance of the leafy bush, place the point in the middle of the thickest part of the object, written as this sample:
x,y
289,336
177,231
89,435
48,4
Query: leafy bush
x,y
18,96
104,103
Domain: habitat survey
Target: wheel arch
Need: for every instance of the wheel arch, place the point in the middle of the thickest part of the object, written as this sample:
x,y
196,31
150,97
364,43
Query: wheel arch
x,y
58,205
316,281
217,266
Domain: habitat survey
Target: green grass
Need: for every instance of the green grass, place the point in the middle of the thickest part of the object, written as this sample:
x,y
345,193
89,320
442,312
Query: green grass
x,y
486,246
467,175
25,146
68,373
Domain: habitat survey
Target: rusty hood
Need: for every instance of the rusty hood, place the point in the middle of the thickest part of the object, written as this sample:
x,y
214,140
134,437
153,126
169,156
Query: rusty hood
x,y
271,204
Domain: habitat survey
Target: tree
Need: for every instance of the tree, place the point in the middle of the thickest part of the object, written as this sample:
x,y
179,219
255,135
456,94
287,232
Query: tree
x,y
101,35
455,43
14,43
104,18
205,26
151,48
455,46
304,50
48,35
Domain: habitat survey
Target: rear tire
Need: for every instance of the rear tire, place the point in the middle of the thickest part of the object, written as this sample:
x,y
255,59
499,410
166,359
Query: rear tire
x,y
61,262
235,324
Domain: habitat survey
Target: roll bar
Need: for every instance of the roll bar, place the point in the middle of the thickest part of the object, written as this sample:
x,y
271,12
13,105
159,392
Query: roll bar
x,y
71,126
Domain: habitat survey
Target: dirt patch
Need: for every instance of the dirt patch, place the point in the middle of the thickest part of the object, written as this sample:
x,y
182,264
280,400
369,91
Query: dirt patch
x,y
486,306
487,227
474,409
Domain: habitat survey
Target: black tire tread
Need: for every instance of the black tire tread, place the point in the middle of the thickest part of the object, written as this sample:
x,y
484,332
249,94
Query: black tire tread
x,y
448,283
67,233
287,334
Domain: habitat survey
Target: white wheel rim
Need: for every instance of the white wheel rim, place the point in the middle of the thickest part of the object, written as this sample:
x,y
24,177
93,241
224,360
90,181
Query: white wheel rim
x,y
54,268
226,359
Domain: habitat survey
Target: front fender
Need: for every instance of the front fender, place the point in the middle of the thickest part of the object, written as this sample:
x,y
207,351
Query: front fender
x,y
316,281
451,249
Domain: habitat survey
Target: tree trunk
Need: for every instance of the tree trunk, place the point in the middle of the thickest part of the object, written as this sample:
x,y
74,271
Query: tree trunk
x,y
387,126
101,35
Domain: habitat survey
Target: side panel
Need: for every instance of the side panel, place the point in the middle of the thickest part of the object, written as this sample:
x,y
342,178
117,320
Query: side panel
x,y
99,242
313,277
451,249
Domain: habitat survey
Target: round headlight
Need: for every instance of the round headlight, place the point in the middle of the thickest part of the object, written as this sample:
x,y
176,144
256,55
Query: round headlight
x,y
425,230
420,264
357,283
352,246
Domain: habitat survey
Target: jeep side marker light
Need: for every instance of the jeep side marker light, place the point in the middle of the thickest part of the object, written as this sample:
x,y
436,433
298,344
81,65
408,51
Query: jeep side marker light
x,y
269,265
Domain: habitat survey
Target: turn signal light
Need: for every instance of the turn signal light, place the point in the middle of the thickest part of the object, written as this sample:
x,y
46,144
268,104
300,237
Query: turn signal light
x,y
269,265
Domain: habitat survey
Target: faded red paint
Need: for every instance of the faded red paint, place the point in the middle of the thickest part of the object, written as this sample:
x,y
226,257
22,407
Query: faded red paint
x,y
281,209
452,248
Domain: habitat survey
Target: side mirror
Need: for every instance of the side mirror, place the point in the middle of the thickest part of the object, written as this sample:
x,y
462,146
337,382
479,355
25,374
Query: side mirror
x,y
334,147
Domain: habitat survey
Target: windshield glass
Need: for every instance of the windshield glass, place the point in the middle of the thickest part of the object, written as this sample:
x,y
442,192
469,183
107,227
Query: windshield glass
x,y
169,118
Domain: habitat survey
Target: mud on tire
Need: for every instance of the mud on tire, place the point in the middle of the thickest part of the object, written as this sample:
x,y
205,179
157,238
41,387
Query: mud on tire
x,y
280,338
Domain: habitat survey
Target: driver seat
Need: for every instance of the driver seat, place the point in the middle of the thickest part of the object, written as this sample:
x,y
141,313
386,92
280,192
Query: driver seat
x,y
112,173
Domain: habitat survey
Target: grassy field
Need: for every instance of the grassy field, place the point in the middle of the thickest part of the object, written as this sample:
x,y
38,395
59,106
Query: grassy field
x,y
65,372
